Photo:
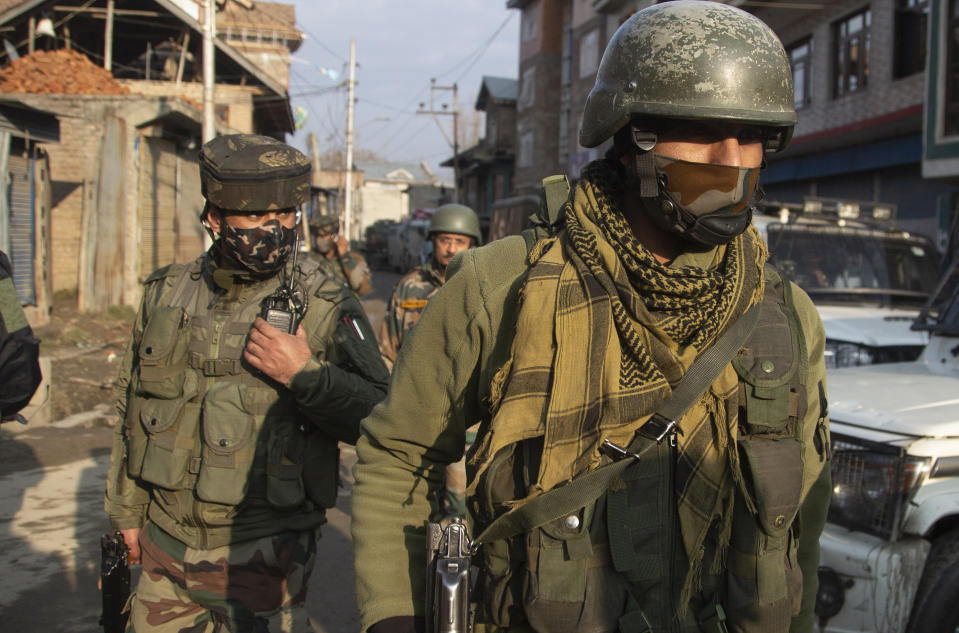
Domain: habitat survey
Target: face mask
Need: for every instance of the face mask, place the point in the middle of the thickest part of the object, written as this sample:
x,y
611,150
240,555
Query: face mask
x,y
325,243
263,249
708,204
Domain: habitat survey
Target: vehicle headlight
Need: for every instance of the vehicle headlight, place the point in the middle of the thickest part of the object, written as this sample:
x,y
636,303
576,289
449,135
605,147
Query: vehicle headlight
x,y
839,354
872,482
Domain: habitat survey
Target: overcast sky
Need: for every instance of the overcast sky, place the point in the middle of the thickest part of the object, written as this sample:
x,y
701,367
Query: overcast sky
x,y
399,47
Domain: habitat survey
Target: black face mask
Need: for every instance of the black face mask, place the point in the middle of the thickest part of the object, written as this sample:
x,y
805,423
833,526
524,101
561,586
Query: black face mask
x,y
261,250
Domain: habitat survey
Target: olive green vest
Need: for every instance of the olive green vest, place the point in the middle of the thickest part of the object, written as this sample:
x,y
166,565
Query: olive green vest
x,y
619,565
200,419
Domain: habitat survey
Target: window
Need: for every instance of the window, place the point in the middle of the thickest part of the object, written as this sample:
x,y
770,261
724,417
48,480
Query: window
x,y
527,90
952,70
911,25
589,54
852,52
524,158
529,25
801,62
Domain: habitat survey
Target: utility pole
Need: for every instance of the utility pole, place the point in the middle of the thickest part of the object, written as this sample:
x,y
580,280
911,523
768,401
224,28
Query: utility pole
x,y
348,197
209,28
454,144
108,38
315,180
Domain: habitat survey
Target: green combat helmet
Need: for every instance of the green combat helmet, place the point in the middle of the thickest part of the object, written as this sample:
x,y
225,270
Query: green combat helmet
x,y
327,224
455,218
247,172
692,60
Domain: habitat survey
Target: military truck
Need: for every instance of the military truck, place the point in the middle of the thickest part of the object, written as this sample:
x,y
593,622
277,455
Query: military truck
x,y
867,277
890,550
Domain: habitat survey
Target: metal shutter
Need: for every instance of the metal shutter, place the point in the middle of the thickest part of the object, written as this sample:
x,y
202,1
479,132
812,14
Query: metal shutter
x,y
21,227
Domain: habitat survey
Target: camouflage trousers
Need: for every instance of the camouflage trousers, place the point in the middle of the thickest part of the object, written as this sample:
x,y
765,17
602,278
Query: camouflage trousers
x,y
256,586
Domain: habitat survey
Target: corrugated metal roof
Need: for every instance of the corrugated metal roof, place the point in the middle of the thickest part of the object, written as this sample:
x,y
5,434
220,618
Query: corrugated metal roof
x,y
394,172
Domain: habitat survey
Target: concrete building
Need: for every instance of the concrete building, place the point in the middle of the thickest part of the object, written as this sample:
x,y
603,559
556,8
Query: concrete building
x,y
124,176
393,191
486,169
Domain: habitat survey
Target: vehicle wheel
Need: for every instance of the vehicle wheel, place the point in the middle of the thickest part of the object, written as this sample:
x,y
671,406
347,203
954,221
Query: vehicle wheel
x,y
934,610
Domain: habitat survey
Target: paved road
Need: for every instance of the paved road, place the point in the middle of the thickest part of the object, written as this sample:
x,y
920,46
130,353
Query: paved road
x,y
51,518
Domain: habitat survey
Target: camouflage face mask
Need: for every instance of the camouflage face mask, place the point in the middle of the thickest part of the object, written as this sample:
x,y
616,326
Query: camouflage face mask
x,y
706,203
263,249
703,188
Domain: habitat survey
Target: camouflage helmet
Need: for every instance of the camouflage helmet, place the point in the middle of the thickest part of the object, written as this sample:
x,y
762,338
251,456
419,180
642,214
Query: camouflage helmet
x,y
692,59
247,172
455,218
325,221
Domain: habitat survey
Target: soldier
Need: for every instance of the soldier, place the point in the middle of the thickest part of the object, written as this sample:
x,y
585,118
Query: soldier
x,y
334,254
597,343
225,457
453,228
19,351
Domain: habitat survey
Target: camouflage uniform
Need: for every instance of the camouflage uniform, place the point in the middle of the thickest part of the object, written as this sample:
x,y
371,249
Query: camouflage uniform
x,y
226,472
349,269
409,299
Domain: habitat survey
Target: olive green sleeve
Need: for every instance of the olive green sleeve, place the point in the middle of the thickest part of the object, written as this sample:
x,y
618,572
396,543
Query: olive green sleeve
x,y
818,481
346,378
407,442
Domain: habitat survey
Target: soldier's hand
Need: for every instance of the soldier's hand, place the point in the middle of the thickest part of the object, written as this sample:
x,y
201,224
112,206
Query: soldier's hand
x,y
132,538
277,354
342,245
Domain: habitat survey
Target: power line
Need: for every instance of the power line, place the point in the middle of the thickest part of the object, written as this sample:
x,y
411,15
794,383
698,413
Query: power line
x,y
476,54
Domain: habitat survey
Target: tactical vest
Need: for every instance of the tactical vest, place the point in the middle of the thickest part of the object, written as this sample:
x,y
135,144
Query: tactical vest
x,y
200,418
619,564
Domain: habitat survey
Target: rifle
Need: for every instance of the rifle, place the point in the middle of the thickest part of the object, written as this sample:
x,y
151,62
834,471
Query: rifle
x,y
115,582
448,552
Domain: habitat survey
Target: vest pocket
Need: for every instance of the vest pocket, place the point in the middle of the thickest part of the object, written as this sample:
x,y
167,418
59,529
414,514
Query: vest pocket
x,y
229,445
776,466
284,467
162,353
169,445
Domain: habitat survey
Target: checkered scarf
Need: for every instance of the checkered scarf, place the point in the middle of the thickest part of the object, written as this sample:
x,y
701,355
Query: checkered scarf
x,y
625,329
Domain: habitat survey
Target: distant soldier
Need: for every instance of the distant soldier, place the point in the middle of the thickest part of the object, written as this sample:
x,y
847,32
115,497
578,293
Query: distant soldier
x,y
225,458
333,253
453,228
19,351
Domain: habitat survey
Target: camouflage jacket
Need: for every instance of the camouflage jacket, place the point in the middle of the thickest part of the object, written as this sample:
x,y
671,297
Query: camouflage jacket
x,y
350,269
410,296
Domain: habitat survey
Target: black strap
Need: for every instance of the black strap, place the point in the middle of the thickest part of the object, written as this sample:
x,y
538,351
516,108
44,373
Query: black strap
x,y
560,501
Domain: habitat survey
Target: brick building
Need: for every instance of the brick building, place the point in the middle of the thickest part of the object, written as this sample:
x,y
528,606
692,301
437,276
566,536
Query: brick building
x,y
124,176
486,169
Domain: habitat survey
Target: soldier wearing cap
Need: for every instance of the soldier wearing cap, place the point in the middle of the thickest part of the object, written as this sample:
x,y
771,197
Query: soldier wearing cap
x,y
333,252
653,446
225,458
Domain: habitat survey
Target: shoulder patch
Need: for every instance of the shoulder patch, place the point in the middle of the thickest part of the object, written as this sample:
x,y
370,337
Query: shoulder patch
x,y
171,270
413,304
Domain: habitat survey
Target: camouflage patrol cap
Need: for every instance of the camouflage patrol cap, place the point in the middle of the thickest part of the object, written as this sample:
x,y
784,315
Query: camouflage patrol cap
x,y
325,221
691,59
248,172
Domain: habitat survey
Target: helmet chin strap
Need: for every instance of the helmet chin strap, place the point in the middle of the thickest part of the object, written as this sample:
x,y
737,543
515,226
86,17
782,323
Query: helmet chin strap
x,y
641,175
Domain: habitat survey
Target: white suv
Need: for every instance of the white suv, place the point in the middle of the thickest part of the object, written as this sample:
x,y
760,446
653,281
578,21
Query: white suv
x,y
890,550
867,279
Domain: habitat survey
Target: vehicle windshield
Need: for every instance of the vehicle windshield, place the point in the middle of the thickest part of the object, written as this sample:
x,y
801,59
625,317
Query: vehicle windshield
x,y
844,264
941,314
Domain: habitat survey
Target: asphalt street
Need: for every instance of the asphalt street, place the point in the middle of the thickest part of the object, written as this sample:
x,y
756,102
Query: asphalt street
x,y
51,518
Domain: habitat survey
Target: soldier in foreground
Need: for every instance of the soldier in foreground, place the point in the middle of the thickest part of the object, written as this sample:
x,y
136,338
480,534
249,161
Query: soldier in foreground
x,y
334,254
19,350
226,456
584,354
453,228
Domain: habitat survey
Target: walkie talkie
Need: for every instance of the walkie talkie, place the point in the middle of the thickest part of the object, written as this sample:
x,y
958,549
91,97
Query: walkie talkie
x,y
285,308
